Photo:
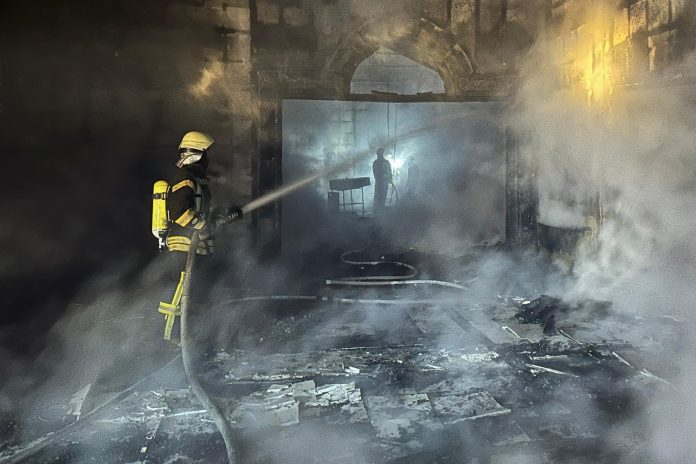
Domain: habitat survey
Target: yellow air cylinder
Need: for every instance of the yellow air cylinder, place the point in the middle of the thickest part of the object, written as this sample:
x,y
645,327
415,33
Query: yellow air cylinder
x,y
160,221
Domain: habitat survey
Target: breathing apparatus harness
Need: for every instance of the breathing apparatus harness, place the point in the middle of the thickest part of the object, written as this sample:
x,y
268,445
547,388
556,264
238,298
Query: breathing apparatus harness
x,y
161,222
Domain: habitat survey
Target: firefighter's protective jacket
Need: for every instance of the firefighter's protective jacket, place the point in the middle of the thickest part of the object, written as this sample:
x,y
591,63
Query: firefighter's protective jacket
x,y
188,206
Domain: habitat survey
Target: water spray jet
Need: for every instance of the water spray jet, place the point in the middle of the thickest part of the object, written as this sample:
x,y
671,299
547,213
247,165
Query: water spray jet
x,y
286,190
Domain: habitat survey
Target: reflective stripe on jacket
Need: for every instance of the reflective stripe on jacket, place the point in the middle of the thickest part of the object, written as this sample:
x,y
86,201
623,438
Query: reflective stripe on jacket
x,y
183,244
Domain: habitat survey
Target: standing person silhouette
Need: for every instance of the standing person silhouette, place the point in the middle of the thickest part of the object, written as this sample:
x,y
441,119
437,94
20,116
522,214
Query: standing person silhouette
x,y
382,171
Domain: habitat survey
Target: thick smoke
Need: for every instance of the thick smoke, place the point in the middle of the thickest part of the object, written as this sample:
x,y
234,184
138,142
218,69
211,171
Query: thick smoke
x,y
638,158
634,156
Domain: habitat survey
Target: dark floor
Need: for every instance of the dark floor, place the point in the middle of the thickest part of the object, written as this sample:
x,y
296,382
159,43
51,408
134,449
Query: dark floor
x,y
411,374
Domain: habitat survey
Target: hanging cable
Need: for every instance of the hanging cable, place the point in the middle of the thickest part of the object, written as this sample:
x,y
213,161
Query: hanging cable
x,y
396,118
395,194
388,127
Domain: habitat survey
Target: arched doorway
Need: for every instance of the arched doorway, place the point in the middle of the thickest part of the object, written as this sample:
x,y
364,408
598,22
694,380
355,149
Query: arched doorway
x,y
396,103
427,45
385,71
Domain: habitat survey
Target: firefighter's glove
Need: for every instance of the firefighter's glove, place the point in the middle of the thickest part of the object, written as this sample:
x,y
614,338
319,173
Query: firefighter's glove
x,y
220,217
207,231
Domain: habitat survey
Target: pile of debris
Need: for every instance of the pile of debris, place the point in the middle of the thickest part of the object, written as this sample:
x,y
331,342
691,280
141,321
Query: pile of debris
x,y
548,311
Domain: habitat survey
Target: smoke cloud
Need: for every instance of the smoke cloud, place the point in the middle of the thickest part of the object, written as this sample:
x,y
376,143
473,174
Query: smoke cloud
x,y
636,155
632,151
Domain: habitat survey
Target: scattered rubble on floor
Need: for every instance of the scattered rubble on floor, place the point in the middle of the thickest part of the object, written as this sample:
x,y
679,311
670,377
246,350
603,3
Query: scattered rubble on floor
x,y
284,405
548,311
478,384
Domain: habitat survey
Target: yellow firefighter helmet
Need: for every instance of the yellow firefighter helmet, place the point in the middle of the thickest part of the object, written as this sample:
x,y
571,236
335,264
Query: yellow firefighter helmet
x,y
192,147
196,140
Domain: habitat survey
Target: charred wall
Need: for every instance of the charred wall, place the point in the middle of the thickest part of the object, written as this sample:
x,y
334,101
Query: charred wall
x,y
94,99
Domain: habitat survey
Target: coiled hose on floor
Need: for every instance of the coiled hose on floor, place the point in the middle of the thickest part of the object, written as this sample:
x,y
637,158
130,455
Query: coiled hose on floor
x,y
385,280
412,271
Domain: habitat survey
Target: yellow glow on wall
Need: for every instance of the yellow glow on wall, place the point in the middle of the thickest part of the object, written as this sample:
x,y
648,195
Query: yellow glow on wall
x,y
209,76
591,62
621,32
595,56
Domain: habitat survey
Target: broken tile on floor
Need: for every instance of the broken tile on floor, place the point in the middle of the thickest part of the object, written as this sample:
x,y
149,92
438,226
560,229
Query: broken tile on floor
x,y
511,434
402,418
304,391
330,394
345,399
456,408
275,408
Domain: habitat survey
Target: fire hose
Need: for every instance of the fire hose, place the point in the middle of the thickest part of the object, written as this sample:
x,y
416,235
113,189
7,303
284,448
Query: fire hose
x,y
412,270
356,282
385,280
219,418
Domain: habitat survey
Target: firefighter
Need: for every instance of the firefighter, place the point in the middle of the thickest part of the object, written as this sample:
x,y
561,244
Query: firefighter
x,y
381,169
182,207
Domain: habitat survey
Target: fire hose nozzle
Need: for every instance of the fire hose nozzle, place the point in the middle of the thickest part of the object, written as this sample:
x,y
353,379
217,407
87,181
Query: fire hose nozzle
x,y
224,216
235,213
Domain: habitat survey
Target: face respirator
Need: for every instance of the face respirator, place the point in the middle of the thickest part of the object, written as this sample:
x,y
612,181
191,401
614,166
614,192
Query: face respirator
x,y
188,156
